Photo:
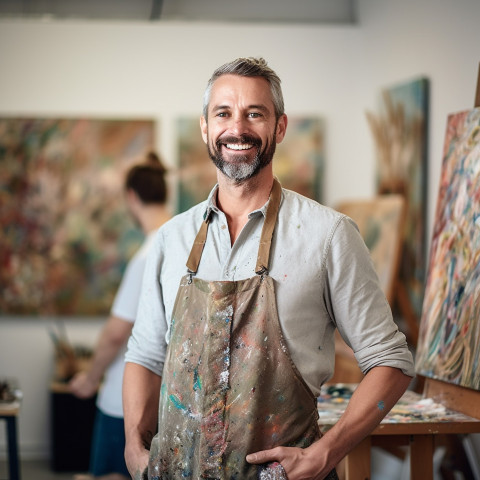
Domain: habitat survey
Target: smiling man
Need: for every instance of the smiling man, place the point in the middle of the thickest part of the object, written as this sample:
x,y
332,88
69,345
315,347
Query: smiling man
x,y
240,300
240,137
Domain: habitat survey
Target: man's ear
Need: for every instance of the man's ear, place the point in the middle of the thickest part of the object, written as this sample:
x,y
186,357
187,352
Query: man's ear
x,y
281,128
203,128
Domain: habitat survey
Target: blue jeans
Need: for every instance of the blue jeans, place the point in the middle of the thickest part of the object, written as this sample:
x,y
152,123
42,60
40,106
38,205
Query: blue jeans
x,y
108,445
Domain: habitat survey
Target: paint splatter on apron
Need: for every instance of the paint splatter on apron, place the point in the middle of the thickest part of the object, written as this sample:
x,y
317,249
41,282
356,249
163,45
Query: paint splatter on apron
x,y
229,386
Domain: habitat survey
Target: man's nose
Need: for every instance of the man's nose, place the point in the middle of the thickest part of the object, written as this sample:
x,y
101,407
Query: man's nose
x,y
239,125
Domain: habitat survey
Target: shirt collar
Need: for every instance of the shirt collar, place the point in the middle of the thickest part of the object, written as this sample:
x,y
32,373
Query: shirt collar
x,y
212,205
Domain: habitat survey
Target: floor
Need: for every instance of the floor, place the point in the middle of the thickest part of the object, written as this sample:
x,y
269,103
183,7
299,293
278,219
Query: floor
x,y
35,470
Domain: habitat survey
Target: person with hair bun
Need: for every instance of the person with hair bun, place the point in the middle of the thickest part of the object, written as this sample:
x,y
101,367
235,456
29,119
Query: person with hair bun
x,y
146,197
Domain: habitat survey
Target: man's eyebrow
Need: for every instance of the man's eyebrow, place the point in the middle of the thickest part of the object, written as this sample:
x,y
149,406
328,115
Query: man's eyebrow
x,y
220,107
260,107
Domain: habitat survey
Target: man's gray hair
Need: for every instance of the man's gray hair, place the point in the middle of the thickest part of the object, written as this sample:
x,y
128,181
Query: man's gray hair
x,y
248,67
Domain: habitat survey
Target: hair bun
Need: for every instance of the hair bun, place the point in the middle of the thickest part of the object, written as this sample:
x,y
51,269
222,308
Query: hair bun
x,y
153,159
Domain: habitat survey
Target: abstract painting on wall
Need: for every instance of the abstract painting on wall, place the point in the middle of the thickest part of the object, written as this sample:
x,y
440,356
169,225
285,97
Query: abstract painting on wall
x,y
66,233
298,161
400,135
449,343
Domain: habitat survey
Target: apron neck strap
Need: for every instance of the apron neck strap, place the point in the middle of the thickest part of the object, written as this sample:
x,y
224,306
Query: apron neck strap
x,y
197,248
265,240
268,227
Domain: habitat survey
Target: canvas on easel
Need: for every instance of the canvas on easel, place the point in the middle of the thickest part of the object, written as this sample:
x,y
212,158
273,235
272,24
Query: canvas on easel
x,y
449,342
448,349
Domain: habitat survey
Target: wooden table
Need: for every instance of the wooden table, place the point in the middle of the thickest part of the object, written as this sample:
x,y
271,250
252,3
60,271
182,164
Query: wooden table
x,y
413,421
9,413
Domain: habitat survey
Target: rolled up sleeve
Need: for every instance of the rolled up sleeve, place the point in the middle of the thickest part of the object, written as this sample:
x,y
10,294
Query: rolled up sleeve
x,y
358,305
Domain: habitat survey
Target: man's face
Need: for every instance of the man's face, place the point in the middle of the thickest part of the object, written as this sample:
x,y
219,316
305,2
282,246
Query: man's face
x,y
241,133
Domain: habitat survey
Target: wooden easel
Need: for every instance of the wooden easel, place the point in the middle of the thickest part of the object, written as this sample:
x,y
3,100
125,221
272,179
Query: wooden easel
x,y
455,397
419,436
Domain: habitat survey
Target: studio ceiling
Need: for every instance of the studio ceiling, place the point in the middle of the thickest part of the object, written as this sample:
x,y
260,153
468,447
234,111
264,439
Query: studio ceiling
x,y
266,11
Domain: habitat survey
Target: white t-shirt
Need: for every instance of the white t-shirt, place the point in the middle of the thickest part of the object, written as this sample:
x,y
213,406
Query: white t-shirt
x,y
124,306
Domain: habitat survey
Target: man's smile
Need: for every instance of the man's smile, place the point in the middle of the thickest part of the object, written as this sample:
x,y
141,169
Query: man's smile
x,y
237,146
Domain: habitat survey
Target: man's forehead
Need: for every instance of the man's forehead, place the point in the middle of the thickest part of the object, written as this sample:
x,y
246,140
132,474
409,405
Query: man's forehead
x,y
256,89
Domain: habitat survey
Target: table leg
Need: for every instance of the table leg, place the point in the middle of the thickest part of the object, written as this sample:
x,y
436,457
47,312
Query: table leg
x,y
13,464
357,465
421,457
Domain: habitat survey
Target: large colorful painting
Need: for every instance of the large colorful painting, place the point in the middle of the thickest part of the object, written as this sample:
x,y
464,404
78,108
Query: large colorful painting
x,y
298,161
449,343
66,234
400,134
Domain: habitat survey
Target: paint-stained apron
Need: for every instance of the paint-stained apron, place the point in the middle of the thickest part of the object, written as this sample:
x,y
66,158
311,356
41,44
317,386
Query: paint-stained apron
x,y
229,385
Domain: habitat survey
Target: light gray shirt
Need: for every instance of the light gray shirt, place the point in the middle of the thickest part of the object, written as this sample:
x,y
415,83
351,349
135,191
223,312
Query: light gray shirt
x,y
324,279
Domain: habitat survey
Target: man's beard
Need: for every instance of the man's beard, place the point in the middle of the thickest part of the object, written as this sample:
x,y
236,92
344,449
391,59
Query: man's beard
x,y
241,168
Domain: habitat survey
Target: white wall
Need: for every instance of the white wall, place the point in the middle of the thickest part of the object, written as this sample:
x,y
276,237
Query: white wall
x,y
160,70
438,39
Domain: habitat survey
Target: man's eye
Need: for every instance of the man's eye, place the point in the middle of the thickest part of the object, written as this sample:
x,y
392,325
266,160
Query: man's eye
x,y
222,114
254,114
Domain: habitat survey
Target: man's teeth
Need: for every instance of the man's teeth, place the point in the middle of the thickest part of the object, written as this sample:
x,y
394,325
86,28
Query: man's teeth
x,y
235,146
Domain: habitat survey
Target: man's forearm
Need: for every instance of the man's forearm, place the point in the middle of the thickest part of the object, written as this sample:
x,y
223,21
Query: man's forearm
x,y
372,400
141,390
112,339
